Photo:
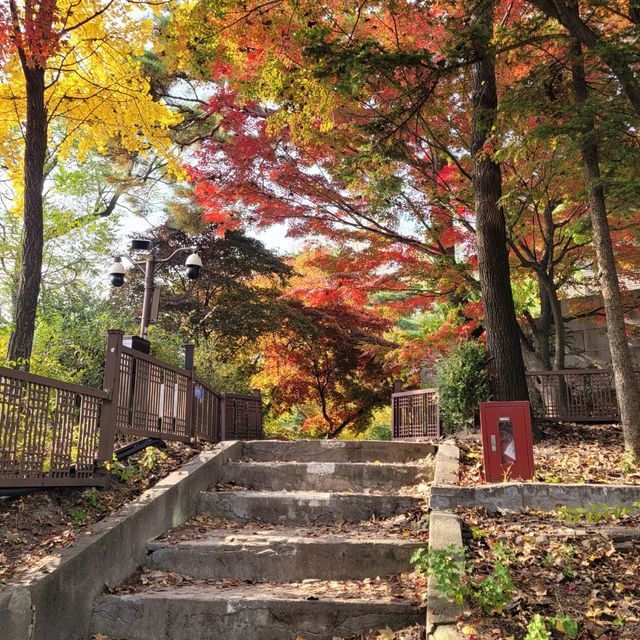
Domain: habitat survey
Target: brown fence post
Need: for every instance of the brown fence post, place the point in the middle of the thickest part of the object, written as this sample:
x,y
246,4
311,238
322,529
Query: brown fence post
x,y
111,385
189,352
258,394
223,417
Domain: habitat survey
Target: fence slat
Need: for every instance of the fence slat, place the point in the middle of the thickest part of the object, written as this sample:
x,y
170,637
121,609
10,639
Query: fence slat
x,y
581,395
415,414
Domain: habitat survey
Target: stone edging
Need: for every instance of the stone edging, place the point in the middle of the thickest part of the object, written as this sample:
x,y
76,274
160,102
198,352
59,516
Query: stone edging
x,y
445,528
540,496
58,605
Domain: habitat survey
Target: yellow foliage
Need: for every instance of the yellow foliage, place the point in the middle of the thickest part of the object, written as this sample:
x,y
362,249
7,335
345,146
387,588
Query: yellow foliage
x,y
97,95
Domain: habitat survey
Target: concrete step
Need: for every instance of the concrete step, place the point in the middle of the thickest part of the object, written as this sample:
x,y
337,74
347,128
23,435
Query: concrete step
x,y
286,556
303,507
248,612
337,451
325,476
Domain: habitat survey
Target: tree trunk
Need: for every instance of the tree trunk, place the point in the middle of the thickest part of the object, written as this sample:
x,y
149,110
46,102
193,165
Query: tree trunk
x,y
506,366
627,388
35,150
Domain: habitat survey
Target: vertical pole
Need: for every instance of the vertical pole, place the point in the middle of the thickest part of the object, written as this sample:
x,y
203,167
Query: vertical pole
x,y
111,385
149,269
258,395
189,350
223,417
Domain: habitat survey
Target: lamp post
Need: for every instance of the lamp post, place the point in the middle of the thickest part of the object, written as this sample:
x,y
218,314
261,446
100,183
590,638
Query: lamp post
x,y
149,267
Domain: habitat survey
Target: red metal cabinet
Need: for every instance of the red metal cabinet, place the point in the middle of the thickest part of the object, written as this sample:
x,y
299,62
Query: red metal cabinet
x,y
507,443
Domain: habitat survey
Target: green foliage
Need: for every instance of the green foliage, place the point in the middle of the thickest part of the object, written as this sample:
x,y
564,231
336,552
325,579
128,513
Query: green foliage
x,y
448,566
457,579
539,627
380,425
594,513
78,515
462,384
630,463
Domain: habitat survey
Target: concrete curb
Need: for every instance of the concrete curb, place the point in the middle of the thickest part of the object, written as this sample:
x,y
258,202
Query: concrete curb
x,y
58,605
540,496
444,529
447,469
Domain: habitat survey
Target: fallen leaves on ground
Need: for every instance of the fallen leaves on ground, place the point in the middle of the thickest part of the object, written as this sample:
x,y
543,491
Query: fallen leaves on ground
x,y
592,453
560,571
43,523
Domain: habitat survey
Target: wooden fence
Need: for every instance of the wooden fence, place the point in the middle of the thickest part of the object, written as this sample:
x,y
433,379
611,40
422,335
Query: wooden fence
x,y
580,395
415,414
57,434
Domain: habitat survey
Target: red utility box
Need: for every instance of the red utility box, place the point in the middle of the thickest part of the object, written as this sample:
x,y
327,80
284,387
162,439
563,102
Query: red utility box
x,y
507,443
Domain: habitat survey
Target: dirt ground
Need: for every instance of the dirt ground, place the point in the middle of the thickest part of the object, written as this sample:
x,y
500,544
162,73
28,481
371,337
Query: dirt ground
x,y
41,523
588,572
592,453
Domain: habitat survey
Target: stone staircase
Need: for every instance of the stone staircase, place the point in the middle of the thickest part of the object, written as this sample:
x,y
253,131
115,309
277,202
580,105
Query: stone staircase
x,y
301,540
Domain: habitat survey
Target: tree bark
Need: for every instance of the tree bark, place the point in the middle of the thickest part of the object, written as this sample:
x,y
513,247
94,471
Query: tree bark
x,y
627,387
506,366
35,151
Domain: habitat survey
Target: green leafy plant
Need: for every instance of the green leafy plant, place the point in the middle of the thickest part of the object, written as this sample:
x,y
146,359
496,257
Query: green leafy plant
x,y
537,629
630,463
78,515
541,628
462,383
93,498
457,579
594,513
448,566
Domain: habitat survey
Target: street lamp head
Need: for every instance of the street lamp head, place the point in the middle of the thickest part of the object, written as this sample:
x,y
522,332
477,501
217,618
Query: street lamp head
x,y
194,265
117,273
141,244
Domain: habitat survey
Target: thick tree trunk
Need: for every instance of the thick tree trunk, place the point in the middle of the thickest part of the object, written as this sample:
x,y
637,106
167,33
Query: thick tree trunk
x,y
506,364
21,341
627,388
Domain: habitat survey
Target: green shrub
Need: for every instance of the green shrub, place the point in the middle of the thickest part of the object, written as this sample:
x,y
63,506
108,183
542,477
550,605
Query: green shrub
x,y
457,579
462,384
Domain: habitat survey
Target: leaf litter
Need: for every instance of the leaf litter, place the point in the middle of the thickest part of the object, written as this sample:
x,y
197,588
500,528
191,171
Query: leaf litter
x,y
581,572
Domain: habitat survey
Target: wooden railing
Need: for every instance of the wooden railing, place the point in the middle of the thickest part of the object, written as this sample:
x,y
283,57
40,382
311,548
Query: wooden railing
x,y
49,431
415,414
54,433
242,416
581,395
207,413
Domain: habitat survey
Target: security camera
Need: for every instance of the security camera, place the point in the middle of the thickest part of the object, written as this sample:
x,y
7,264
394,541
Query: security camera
x,y
194,266
117,273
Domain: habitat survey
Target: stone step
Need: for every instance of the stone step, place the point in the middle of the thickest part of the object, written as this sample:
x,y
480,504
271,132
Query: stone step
x,y
325,476
303,507
283,557
248,612
337,450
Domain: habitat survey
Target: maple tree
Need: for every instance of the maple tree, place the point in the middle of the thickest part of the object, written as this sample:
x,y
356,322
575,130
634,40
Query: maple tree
x,y
366,127
327,354
72,83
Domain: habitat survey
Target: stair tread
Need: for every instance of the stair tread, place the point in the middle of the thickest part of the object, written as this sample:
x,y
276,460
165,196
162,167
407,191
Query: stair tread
x,y
419,462
397,528
400,589
310,495
259,538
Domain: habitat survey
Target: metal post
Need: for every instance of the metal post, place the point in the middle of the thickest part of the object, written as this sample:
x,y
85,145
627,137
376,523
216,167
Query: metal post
x,y
189,351
189,366
149,270
111,385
